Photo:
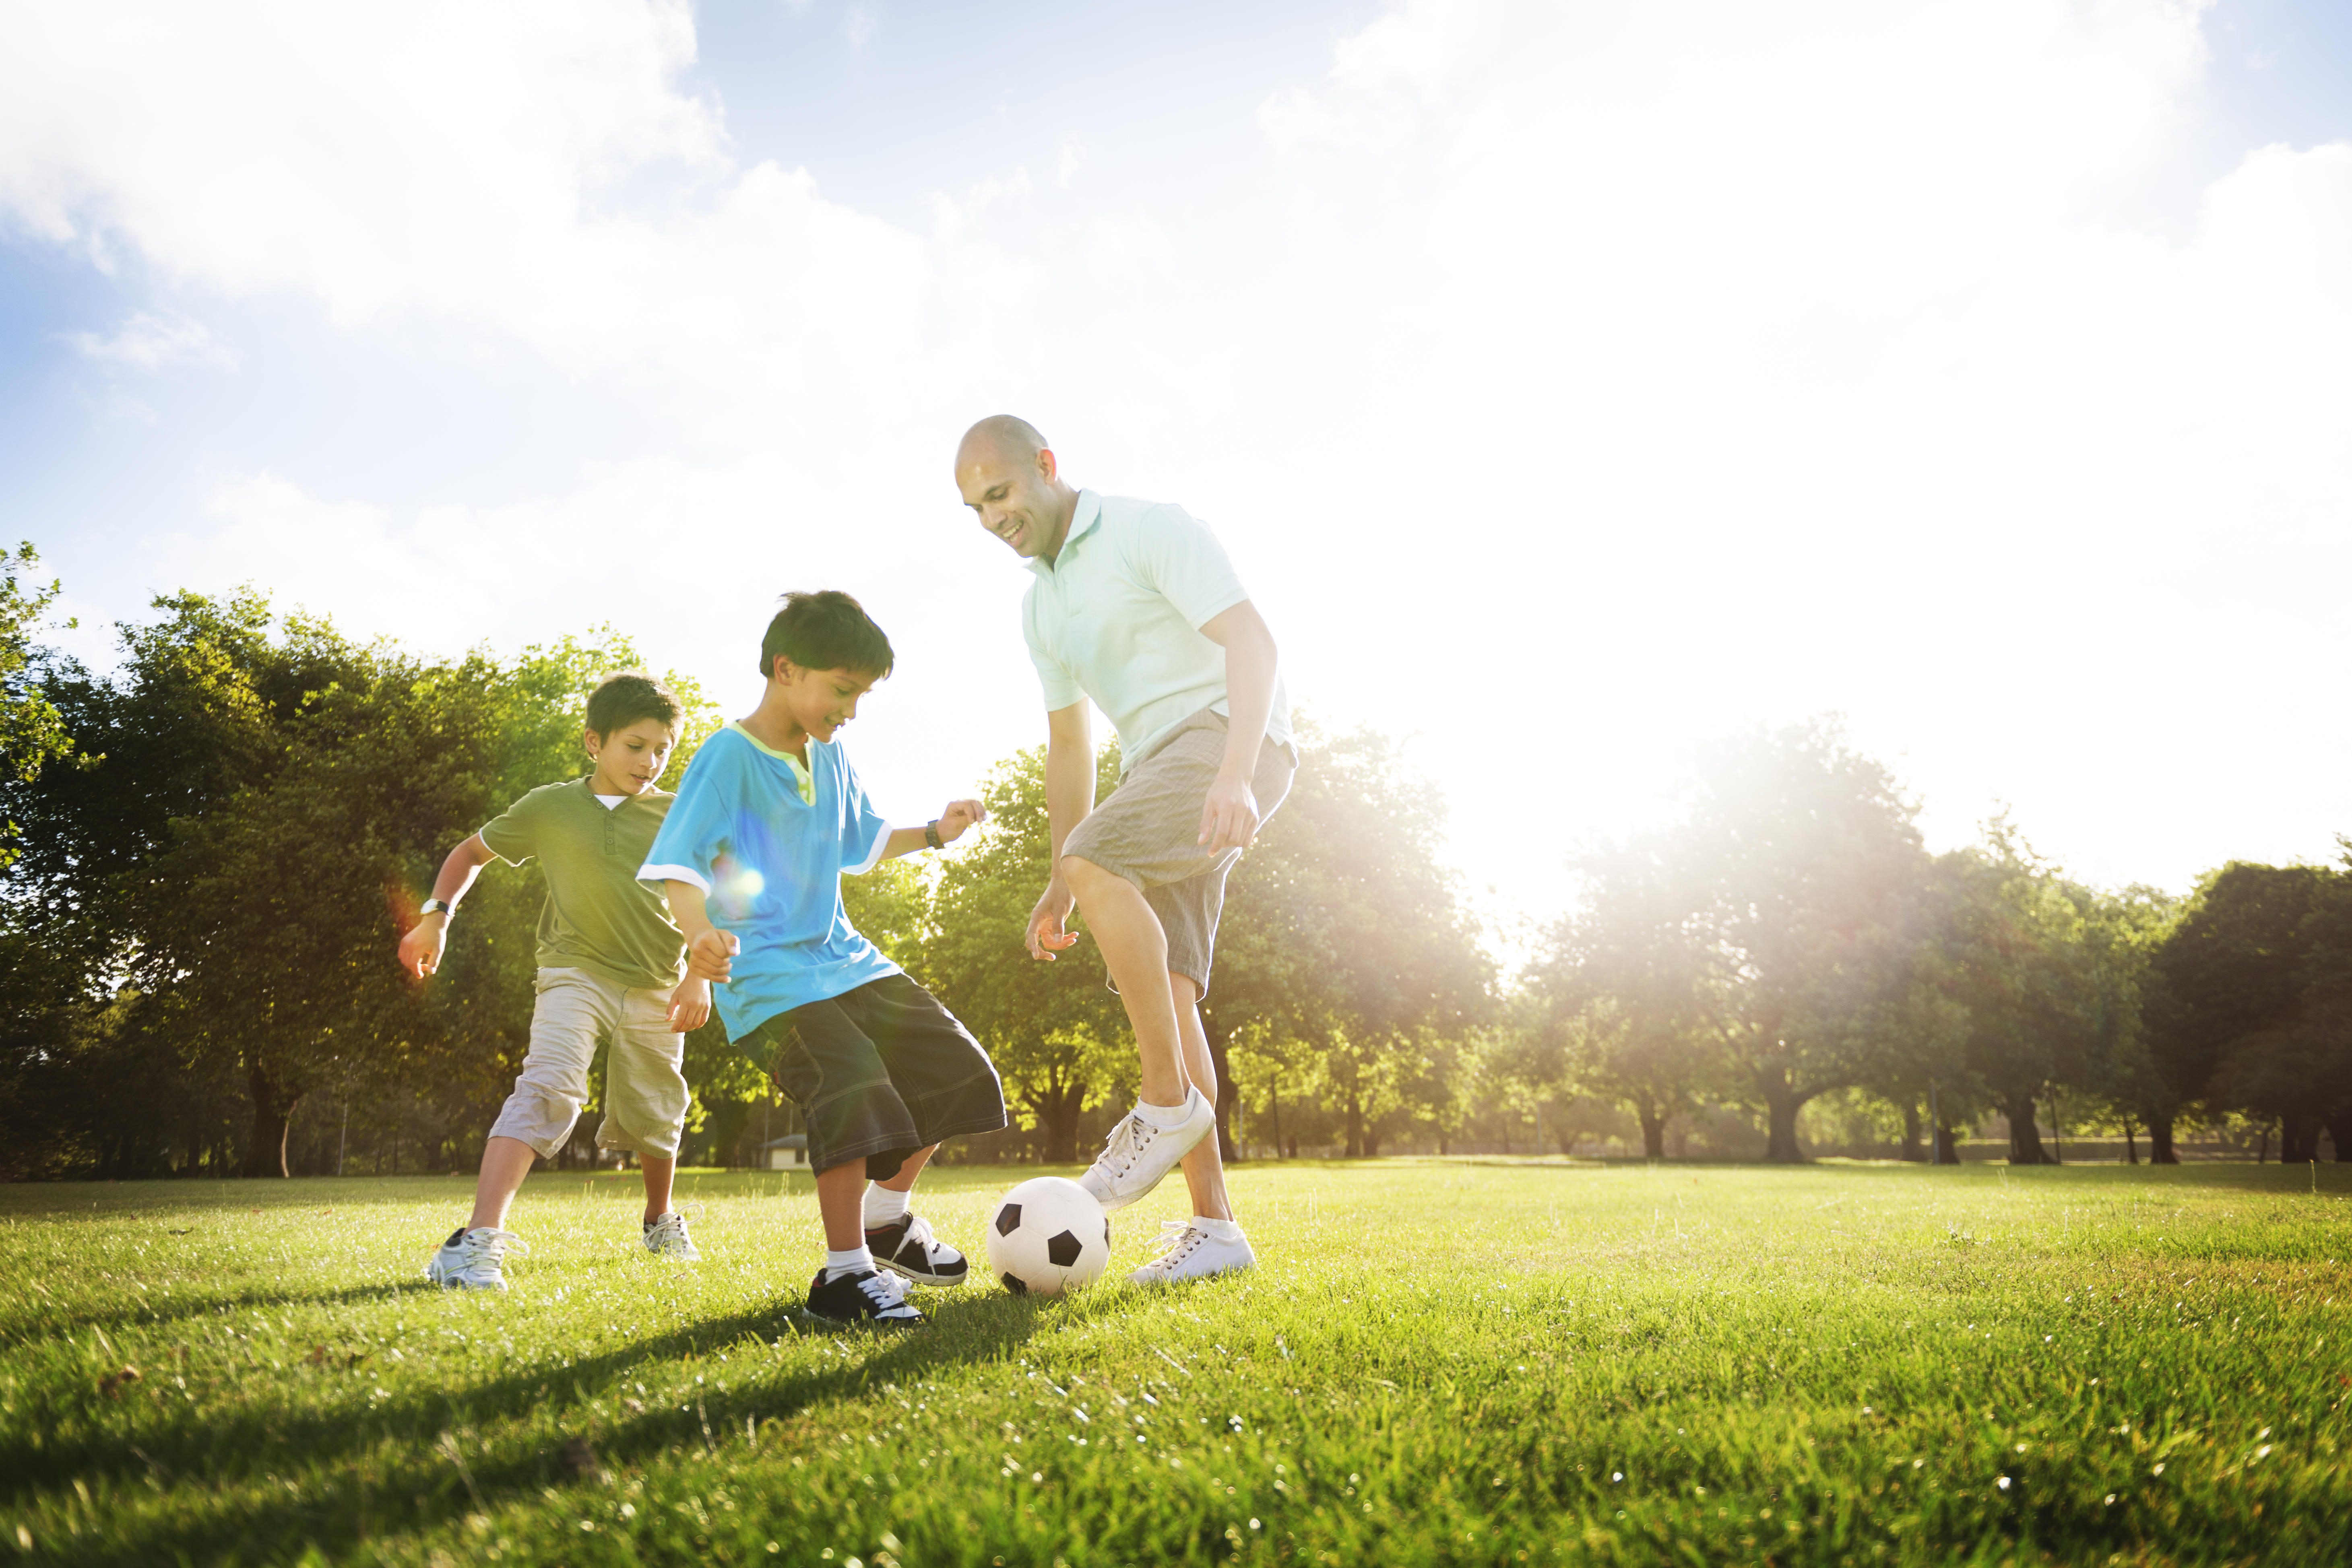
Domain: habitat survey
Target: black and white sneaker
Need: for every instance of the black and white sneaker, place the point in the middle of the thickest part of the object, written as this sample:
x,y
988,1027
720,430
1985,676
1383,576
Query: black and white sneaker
x,y
906,1246
869,1296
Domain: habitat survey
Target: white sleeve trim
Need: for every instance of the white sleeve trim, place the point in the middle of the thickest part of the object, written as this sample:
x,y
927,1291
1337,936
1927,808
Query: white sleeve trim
x,y
675,874
881,844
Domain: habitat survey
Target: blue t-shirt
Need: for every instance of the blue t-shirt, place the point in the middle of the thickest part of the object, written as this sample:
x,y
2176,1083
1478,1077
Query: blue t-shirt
x,y
768,861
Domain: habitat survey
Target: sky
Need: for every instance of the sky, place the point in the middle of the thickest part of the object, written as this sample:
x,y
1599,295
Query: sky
x,y
1571,383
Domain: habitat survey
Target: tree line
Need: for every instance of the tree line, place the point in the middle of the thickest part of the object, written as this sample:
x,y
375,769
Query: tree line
x,y
211,849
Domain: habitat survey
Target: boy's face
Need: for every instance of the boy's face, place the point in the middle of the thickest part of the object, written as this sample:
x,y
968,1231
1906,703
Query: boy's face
x,y
629,759
820,701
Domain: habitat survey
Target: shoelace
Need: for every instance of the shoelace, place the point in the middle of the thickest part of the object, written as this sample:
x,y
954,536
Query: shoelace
x,y
883,1289
1127,1142
1177,1237
918,1233
492,1245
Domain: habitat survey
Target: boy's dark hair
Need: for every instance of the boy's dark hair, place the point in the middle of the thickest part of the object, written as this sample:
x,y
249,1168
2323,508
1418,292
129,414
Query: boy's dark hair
x,y
619,701
826,631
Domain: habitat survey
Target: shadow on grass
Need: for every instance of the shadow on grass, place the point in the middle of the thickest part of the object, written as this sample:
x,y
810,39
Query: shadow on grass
x,y
198,1461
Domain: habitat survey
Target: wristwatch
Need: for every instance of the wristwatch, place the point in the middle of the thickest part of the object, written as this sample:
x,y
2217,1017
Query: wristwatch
x,y
931,834
433,906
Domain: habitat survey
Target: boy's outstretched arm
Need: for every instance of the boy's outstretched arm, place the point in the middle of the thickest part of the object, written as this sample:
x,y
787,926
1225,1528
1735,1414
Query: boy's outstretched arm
x,y
959,816
421,945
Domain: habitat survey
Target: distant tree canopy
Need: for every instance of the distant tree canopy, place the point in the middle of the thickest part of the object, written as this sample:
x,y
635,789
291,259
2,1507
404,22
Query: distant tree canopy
x,y
209,852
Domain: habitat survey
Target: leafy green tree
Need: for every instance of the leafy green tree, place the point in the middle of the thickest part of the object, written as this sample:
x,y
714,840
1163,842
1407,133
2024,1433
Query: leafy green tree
x,y
1345,944
1056,1030
32,731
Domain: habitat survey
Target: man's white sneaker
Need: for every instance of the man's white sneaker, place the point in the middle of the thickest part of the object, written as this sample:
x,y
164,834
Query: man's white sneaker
x,y
469,1259
1188,1252
1136,1155
667,1238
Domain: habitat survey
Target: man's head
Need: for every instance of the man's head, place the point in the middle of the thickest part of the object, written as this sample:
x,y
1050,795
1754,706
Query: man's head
x,y
632,726
1007,475
823,653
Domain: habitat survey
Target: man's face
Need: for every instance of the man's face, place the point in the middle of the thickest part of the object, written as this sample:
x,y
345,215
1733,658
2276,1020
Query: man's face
x,y
629,759
821,701
1013,494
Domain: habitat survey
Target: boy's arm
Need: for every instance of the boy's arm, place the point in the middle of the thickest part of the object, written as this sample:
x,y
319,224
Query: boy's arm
x,y
1229,817
420,947
951,823
1070,796
710,951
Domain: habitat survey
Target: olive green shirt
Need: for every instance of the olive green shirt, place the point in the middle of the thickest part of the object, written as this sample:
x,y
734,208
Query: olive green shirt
x,y
598,916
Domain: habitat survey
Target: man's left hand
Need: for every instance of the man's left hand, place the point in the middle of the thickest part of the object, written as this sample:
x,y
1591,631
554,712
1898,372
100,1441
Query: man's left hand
x,y
1229,817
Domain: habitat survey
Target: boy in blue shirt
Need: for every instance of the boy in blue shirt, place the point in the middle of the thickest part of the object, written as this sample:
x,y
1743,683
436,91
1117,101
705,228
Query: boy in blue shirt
x,y
767,819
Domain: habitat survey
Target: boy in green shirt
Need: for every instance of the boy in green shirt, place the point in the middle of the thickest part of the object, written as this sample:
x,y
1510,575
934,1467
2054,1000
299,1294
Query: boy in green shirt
x,y
610,969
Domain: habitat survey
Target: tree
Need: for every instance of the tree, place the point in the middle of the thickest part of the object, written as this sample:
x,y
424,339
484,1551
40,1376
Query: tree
x,y
32,731
1793,875
1344,939
1057,1031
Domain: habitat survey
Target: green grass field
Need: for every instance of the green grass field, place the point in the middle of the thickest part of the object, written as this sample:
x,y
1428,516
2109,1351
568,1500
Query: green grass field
x,y
1435,1362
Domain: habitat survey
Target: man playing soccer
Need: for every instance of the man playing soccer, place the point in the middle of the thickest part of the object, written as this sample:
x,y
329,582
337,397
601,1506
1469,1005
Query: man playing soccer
x,y
609,962
767,820
1135,606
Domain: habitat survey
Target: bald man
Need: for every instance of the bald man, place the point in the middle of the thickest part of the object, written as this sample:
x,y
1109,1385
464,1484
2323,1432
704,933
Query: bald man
x,y
1135,606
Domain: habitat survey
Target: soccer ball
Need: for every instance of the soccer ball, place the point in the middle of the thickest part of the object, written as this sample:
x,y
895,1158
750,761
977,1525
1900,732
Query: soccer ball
x,y
1048,1236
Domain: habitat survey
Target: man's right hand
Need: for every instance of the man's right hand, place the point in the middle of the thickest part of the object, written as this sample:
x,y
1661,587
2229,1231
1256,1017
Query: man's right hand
x,y
711,955
420,949
1046,937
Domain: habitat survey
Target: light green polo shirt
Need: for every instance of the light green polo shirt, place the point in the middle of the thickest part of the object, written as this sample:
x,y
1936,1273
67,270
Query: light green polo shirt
x,y
598,916
1116,616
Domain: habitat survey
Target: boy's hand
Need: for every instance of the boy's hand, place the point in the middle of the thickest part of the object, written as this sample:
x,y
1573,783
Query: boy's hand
x,y
689,1005
711,955
1229,817
960,815
1046,937
420,949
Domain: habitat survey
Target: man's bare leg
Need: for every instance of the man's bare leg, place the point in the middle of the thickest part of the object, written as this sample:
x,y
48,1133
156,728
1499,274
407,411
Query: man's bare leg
x,y
1204,1168
505,1162
1135,950
660,1174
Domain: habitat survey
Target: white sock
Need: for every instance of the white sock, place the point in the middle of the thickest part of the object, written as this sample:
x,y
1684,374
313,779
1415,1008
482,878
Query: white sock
x,y
1216,1229
1164,1117
856,1261
883,1207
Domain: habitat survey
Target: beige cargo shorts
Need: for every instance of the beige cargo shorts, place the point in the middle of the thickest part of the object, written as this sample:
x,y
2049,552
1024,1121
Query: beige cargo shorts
x,y
1148,831
645,1097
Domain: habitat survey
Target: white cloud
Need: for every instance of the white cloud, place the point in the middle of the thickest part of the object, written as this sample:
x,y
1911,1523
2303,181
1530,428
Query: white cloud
x,y
147,341
1595,379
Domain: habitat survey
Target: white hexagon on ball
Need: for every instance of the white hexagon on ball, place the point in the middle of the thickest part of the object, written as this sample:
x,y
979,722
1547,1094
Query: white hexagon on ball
x,y
1048,1235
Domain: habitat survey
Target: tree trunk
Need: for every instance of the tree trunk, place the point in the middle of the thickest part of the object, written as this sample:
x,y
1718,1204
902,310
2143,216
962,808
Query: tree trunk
x,y
2160,1141
2298,1139
2263,1151
1372,1142
273,1119
1057,1109
2024,1138
1653,1132
1781,1104
2131,1145
1948,1145
1355,1128
1912,1149
1274,1093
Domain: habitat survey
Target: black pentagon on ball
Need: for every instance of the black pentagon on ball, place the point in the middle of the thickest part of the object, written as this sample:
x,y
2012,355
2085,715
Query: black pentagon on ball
x,y
1008,1220
1064,1249
1013,1283
1105,1232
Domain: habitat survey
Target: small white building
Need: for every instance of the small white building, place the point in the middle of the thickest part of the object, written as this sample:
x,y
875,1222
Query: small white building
x,y
789,1153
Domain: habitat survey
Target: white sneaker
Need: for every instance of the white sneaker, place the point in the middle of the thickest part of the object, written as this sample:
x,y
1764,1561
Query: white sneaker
x,y
469,1259
1188,1252
1136,1155
667,1238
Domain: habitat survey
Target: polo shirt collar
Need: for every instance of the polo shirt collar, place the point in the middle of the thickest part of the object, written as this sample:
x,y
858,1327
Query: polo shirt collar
x,y
1083,519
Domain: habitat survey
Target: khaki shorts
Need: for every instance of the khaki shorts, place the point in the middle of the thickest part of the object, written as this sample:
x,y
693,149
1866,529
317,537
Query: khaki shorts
x,y
645,1087
1148,831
